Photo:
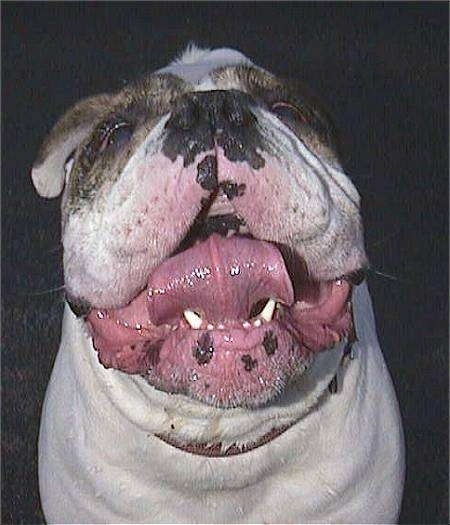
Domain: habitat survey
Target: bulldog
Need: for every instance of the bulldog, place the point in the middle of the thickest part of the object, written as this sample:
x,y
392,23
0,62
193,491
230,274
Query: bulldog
x,y
219,360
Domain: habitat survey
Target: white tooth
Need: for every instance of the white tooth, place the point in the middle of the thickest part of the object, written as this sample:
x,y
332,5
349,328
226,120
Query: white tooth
x,y
246,324
193,319
220,327
210,327
257,323
268,310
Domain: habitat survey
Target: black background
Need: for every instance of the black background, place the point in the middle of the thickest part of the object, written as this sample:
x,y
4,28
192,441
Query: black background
x,y
382,69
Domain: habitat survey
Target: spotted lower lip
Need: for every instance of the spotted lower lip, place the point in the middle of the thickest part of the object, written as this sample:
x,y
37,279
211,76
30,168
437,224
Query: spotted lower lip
x,y
184,359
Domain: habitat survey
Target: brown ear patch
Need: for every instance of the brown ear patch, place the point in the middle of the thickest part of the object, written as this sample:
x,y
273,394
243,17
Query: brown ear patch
x,y
66,135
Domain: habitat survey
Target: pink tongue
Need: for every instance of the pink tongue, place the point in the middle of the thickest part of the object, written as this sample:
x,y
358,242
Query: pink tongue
x,y
220,278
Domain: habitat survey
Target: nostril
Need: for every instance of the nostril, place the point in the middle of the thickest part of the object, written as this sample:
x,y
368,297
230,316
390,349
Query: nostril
x,y
186,117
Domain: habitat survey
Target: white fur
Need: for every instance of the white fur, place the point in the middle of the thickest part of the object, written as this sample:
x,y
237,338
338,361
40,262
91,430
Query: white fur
x,y
99,461
191,55
196,63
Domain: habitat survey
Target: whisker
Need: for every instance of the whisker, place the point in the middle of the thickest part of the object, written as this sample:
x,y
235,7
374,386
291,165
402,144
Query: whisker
x,y
383,274
384,238
408,282
49,291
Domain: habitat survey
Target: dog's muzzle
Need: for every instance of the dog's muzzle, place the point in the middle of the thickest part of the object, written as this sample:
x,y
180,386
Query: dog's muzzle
x,y
230,313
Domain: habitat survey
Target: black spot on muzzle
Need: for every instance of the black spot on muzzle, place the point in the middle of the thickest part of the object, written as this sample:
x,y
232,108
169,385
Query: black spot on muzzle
x,y
207,173
249,362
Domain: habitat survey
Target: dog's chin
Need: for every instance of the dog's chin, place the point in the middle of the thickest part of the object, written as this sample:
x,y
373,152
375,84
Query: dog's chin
x,y
227,319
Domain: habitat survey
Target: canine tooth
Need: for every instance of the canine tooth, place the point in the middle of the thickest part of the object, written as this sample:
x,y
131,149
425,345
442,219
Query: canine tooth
x,y
138,326
193,319
246,324
339,282
257,323
267,312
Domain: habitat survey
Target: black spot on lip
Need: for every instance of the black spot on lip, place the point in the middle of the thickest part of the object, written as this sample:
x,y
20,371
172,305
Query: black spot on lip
x,y
232,189
204,350
249,363
270,342
220,224
203,227
207,173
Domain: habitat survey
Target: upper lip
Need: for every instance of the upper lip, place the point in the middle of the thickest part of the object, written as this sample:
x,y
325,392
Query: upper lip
x,y
203,227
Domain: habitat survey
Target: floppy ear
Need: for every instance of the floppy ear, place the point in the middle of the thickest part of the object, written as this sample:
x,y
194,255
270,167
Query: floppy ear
x,y
75,125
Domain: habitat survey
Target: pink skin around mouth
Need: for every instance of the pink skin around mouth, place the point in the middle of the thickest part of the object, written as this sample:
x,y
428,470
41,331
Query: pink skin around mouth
x,y
231,359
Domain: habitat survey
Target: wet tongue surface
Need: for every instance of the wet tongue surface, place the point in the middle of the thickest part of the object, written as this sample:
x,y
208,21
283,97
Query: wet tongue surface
x,y
219,278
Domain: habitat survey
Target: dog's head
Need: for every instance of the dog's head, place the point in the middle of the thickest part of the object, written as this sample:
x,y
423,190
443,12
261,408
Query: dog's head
x,y
209,230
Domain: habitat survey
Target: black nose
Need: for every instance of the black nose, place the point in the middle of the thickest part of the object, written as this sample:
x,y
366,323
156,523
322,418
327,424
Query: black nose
x,y
217,111
204,120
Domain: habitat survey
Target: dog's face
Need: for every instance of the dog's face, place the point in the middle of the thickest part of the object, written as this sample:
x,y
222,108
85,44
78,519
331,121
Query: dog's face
x,y
209,231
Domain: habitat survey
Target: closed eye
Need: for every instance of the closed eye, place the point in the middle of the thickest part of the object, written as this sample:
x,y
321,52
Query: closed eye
x,y
287,112
115,135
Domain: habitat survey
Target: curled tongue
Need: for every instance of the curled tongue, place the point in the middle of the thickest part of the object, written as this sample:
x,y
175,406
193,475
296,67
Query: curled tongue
x,y
221,278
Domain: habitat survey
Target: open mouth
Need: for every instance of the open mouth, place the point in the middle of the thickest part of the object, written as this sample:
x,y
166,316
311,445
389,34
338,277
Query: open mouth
x,y
227,319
